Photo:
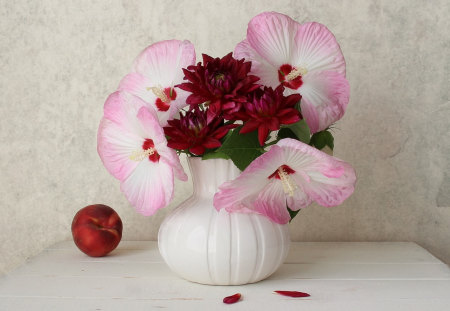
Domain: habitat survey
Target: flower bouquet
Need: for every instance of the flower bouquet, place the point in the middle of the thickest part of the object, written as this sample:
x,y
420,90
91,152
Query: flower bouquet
x,y
265,110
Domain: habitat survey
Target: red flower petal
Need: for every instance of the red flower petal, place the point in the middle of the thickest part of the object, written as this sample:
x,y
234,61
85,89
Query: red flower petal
x,y
273,124
292,293
211,143
193,132
263,132
197,150
232,299
290,117
249,126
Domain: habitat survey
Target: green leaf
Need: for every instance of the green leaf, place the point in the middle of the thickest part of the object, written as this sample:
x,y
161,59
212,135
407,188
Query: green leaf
x,y
285,132
322,139
215,155
292,213
301,131
241,148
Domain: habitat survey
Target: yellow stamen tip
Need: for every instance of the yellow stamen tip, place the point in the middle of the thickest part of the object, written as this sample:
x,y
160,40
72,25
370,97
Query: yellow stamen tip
x,y
139,155
295,73
289,186
159,92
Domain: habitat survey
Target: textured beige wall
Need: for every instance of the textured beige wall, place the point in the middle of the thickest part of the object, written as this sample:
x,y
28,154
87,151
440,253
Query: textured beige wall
x,y
59,61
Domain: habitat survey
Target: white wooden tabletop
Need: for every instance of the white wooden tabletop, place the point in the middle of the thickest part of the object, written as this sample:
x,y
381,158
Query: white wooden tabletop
x,y
338,276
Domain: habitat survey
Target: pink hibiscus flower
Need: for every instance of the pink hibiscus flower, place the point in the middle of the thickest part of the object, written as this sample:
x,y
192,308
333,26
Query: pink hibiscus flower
x,y
133,148
290,174
305,58
155,73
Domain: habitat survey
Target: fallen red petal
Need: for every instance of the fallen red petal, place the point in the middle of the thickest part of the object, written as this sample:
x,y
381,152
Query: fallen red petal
x,y
292,293
232,299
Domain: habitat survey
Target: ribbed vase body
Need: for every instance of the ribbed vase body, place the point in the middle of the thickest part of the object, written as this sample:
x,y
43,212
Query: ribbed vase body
x,y
205,246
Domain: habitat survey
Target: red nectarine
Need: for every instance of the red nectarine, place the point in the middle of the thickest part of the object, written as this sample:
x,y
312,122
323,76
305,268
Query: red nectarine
x,y
96,230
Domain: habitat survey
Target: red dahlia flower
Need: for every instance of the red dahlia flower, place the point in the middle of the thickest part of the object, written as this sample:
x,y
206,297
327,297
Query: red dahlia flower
x,y
267,109
194,133
221,83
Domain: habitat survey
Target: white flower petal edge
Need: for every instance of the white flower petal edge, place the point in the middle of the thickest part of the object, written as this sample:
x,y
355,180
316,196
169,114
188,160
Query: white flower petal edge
x,y
162,61
272,35
290,174
260,67
325,95
317,49
149,187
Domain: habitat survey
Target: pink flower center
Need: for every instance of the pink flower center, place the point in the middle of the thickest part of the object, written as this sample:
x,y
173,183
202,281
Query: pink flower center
x,y
290,76
164,97
282,173
148,150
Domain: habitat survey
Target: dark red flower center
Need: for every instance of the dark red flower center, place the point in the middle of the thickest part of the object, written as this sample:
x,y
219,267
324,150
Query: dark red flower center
x,y
290,76
148,148
163,100
196,128
283,168
220,76
220,83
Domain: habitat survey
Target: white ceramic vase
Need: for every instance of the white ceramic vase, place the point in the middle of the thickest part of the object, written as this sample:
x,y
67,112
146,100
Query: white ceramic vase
x,y
205,246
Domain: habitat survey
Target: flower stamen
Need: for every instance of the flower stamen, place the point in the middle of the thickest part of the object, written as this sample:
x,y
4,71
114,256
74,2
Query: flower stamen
x,y
159,92
139,155
289,186
295,73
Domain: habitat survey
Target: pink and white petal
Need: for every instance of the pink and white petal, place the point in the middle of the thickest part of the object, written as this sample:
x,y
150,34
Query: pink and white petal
x,y
300,156
267,163
234,194
260,67
237,194
149,187
310,114
170,114
180,101
331,191
151,126
171,158
113,108
326,179
325,96
162,62
317,49
305,159
114,146
163,116
138,85
272,35
174,108
121,108
300,199
271,202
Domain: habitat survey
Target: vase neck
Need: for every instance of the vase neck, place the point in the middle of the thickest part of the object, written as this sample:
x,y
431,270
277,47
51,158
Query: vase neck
x,y
208,175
